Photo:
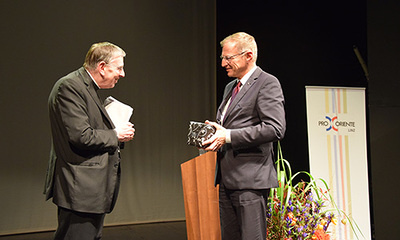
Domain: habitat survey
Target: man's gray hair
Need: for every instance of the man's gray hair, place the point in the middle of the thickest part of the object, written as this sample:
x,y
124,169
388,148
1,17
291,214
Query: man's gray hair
x,y
244,42
103,51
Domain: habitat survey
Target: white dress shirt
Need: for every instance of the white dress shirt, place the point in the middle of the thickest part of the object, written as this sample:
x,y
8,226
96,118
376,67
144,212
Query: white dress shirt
x,y
243,81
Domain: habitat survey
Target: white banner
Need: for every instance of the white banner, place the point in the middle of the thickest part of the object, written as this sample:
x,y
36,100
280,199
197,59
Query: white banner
x,y
338,152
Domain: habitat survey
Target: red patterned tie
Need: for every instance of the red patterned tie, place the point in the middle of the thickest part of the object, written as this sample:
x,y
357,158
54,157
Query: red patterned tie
x,y
236,90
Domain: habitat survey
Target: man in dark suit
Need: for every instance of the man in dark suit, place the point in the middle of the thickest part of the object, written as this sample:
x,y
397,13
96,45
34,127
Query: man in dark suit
x,y
84,169
250,118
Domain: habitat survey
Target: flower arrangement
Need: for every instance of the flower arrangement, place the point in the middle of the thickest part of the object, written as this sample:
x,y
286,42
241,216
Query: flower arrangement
x,y
300,211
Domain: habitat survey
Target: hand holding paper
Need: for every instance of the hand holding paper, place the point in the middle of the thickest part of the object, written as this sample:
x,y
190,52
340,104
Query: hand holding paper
x,y
120,114
125,133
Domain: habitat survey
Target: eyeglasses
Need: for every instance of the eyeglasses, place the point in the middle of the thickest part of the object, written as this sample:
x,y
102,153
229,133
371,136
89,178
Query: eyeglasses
x,y
119,69
229,58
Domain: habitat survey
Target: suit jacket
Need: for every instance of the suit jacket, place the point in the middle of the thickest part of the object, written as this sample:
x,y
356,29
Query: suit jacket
x,y
84,168
256,118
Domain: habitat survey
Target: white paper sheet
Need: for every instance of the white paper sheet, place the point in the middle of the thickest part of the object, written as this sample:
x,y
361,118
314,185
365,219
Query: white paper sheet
x,y
119,112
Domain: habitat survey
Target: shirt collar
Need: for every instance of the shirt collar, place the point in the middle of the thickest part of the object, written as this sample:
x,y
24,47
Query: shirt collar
x,y
92,78
247,75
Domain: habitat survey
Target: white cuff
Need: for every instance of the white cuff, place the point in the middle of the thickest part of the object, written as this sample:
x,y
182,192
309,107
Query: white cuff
x,y
228,136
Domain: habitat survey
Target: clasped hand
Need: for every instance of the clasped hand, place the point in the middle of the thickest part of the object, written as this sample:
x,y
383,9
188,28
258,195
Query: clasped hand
x,y
125,133
216,141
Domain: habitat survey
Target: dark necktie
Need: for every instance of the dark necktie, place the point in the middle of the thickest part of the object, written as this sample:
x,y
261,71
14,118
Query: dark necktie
x,y
235,90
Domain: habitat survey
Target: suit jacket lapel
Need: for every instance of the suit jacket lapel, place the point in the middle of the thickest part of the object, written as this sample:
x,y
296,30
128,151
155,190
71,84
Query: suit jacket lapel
x,y
243,91
91,87
226,97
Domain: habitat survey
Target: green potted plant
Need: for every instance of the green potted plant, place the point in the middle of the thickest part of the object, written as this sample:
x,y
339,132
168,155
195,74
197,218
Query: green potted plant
x,y
301,211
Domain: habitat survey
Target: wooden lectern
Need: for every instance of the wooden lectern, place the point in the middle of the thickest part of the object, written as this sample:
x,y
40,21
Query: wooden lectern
x,y
201,198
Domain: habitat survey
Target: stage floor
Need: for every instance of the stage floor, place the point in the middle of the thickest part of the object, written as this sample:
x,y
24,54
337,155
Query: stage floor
x,y
149,231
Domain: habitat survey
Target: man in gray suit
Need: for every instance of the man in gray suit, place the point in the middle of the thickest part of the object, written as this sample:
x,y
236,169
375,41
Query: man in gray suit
x,y
250,118
84,168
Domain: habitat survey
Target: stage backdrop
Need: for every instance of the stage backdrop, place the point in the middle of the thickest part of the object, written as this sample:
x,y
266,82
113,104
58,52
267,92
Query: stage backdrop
x,y
338,153
170,80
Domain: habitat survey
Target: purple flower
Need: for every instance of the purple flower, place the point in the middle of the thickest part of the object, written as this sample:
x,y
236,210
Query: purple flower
x,y
316,210
290,208
310,196
288,221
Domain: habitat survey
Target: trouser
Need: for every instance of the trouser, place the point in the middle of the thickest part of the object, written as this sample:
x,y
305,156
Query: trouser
x,y
243,214
74,225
